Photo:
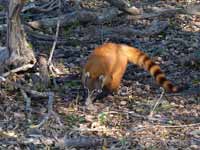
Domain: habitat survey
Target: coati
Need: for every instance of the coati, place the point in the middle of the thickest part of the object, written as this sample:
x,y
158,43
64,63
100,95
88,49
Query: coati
x,y
107,64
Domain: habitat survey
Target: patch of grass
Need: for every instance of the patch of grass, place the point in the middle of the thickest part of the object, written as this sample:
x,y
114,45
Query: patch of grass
x,y
30,46
1,8
196,81
102,118
70,28
123,141
73,119
39,87
152,147
157,51
171,122
165,106
72,83
9,87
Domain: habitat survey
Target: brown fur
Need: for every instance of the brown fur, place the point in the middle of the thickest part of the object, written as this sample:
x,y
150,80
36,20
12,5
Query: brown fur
x,y
110,60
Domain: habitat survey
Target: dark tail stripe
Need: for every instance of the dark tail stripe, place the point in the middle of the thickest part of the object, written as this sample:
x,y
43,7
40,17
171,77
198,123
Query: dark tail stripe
x,y
150,65
170,86
144,61
161,79
157,72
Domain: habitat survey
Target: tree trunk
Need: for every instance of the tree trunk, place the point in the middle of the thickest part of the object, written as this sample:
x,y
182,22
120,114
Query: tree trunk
x,y
18,49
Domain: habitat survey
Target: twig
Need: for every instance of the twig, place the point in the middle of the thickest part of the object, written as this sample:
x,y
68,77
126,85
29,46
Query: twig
x,y
138,129
22,68
26,89
50,95
180,126
27,105
124,6
94,129
177,126
83,141
2,79
157,103
132,113
50,112
56,37
49,4
33,7
53,69
43,69
60,143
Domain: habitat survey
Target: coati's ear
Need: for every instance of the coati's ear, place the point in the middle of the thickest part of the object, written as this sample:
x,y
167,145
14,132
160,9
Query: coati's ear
x,y
87,74
85,77
102,80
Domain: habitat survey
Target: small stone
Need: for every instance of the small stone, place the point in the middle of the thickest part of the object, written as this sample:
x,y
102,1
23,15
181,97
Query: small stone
x,y
123,102
195,133
194,147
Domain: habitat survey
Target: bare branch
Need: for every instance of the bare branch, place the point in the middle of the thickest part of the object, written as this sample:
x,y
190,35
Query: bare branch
x,y
56,37
22,68
81,16
125,6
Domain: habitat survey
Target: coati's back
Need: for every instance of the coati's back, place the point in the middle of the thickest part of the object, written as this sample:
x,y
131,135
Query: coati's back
x,y
109,61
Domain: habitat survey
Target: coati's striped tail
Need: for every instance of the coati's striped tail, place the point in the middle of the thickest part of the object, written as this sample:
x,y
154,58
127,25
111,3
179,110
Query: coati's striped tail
x,y
140,58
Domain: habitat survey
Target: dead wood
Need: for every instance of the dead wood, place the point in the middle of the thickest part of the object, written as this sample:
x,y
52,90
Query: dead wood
x,y
37,94
4,55
21,68
137,13
125,6
20,52
113,32
50,6
106,15
43,69
80,142
108,32
52,68
85,16
50,112
27,106
81,16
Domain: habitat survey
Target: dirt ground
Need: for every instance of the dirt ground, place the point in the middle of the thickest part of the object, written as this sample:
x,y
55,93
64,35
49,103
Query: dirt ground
x,y
121,121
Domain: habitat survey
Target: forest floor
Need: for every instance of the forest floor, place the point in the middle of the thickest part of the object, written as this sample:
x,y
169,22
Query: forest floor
x,y
119,122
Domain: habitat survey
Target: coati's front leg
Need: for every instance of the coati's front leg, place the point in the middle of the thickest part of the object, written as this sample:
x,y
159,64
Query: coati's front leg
x,y
105,92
